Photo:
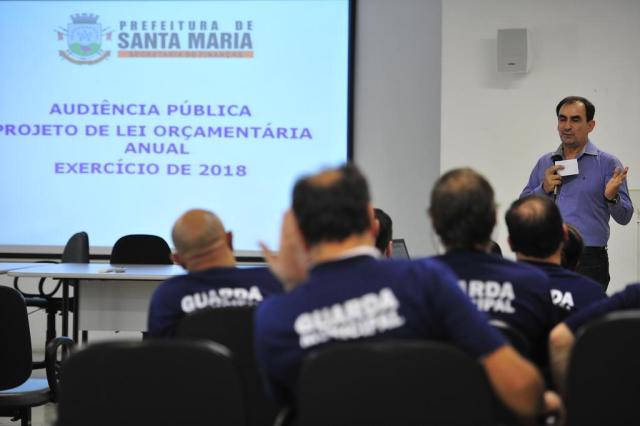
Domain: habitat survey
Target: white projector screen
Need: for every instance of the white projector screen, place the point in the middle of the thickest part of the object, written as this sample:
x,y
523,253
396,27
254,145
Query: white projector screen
x,y
117,116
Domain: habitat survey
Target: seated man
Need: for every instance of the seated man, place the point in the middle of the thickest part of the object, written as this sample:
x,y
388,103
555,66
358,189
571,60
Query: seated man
x,y
562,337
572,248
463,214
348,294
204,249
536,235
385,233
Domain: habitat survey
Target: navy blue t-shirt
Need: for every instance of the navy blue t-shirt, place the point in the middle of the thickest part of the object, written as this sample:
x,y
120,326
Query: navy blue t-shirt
x,y
515,293
629,298
215,287
570,292
360,298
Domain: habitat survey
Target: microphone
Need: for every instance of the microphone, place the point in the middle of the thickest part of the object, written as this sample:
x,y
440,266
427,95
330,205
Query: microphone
x,y
554,158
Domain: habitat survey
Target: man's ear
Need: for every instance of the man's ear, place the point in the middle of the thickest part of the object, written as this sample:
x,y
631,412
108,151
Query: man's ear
x,y
388,252
565,232
229,236
175,257
374,224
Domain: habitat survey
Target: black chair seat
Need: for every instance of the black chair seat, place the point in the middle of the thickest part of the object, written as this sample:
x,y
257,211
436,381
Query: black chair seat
x,y
32,393
393,382
233,328
18,391
155,382
602,382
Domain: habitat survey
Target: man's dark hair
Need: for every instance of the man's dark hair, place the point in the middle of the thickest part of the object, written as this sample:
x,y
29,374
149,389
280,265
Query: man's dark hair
x,y
588,106
535,226
332,205
494,248
385,232
462,209
572,248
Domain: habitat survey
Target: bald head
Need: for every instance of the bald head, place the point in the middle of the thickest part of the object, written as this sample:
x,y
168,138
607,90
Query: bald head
x,y
535,226
198,234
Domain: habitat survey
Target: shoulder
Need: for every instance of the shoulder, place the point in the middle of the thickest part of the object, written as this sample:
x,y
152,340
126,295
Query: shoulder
x,y
171,286
260,276
578,281
525,270
630,296
606,157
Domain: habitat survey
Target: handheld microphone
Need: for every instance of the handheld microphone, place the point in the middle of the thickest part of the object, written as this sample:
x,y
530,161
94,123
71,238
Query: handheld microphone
x,y
554,158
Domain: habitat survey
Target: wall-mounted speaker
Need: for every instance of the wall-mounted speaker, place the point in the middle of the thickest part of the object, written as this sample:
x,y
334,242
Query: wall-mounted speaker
x,y
514,50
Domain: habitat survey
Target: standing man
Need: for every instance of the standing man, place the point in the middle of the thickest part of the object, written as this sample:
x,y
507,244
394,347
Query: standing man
x,y
588,198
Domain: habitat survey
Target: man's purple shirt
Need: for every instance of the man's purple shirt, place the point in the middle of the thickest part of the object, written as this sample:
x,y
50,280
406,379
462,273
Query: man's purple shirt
x,y
581,197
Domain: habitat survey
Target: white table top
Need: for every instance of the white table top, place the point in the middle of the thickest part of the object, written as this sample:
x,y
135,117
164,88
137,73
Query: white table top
x,y
10,266
99,271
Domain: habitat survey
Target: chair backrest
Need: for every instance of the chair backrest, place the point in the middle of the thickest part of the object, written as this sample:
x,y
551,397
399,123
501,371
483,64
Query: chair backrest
x,y
233,328
603,384
515,337
157,382
141,249
15,339
393,382
77,249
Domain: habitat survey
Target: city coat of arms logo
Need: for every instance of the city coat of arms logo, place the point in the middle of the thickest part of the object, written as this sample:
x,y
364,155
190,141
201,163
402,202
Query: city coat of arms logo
x,y
84,40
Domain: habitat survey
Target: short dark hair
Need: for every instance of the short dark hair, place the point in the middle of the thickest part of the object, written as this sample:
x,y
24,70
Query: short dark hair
x,y
385,232
462,209
588,106
535,226
332,205
494,248
572,248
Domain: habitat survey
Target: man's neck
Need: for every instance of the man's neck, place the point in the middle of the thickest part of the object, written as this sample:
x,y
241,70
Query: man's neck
x,y
571,152
554,259
219,260
330,250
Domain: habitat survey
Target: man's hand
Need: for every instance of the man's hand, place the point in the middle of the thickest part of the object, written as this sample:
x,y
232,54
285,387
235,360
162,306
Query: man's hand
x,y
619,176
551,178
291,263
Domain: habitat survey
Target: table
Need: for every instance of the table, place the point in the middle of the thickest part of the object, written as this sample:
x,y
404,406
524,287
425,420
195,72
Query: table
x,y
6,267
106,297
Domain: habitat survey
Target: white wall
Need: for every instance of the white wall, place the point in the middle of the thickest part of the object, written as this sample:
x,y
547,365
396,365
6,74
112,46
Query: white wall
x,y
397,110
500,124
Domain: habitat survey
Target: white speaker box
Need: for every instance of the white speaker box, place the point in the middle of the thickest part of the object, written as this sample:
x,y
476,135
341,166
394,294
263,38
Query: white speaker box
x,y
514,50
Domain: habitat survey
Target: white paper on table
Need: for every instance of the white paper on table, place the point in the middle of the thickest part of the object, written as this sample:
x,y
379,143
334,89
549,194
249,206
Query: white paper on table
x,y
570,167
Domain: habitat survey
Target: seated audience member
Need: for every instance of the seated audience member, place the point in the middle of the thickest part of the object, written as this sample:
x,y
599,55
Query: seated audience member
x,y
203,248
463,214
536,235
385,233
562,337
572,248
348,295
494,248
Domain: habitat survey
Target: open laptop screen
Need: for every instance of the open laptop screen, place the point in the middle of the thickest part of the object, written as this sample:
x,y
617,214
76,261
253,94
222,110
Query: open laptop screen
x,y
399,249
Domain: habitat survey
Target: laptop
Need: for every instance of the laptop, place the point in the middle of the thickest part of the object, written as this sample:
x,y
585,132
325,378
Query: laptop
x,y
399,249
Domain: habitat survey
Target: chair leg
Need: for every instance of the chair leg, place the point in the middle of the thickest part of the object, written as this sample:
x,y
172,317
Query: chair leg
x,y
51,323
25,416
